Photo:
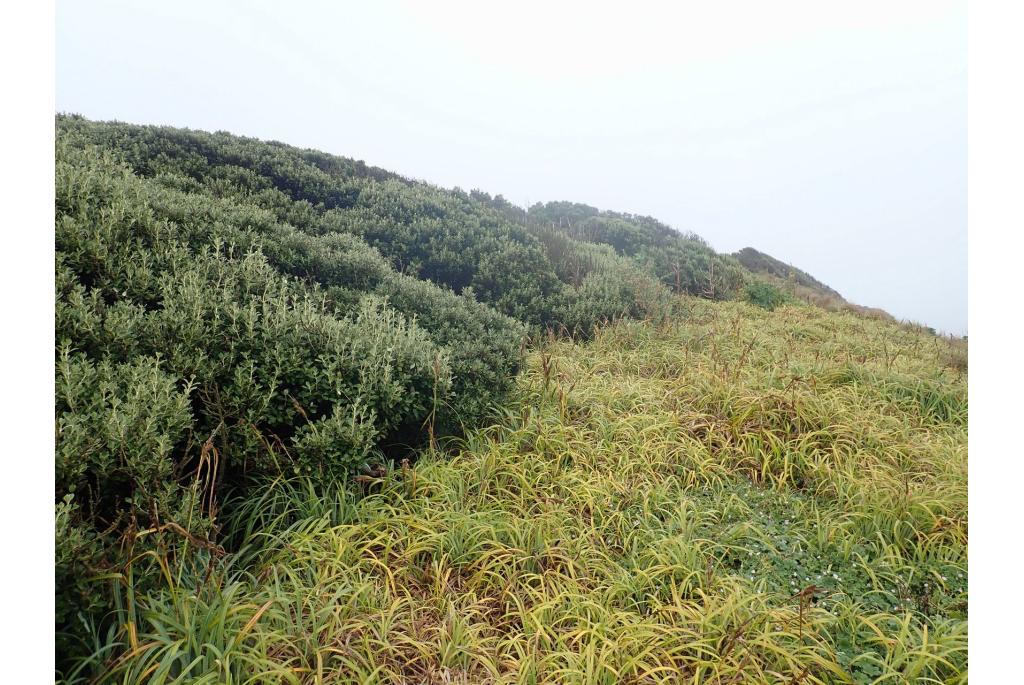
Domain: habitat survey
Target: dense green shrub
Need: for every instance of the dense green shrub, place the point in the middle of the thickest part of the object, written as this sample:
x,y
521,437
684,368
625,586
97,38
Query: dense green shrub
x,y
611,294
117,427
764,294
202,340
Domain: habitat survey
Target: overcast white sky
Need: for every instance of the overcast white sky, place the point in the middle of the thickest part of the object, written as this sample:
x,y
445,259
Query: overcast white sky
x,y
831,135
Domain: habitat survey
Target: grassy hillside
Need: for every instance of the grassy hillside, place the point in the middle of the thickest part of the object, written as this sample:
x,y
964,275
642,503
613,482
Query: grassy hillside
x,y
737,496
319,422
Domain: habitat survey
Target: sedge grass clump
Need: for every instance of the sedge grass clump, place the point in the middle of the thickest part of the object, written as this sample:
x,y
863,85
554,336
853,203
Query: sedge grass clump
x,y
740,496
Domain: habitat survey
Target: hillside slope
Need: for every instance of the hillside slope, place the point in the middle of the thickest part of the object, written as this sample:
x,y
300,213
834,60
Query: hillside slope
x,y
760,263
231,312
741,497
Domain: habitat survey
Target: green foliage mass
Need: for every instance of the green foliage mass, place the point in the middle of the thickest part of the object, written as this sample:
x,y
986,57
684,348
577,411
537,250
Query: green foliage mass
x,y
202,339
764,294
